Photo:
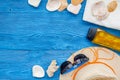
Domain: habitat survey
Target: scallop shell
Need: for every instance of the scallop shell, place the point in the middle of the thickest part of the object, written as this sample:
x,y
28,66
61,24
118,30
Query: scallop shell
x,y
76,2
112,6
38,71
53,5
64,5
99,10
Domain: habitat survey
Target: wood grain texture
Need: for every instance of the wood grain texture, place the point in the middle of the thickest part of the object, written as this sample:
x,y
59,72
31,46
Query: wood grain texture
x,y
31,36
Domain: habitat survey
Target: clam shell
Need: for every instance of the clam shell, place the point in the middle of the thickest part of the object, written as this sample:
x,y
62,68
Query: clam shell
x,y
34,3
53,5
112,6
38,71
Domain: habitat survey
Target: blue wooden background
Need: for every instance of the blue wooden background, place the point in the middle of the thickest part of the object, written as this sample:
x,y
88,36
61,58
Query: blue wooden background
x,y
30,36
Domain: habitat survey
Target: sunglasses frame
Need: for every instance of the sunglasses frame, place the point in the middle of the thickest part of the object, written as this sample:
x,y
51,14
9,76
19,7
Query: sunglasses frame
x,y
67,66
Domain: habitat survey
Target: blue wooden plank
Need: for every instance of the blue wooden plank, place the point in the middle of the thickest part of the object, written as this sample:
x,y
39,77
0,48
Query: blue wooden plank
x,y
31,36
17,64
25,31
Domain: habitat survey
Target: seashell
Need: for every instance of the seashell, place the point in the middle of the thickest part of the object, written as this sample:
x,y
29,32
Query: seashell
x,y
52,68
74,9
99,10
64,5
102,17
112,6
53,5
76,2
38,71
34,3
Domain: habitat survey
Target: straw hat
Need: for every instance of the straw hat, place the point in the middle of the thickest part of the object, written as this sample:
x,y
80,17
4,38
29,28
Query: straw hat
x,y
103,65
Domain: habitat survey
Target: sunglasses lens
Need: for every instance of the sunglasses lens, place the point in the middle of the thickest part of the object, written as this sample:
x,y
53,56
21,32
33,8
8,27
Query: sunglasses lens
x,y
80,58
85,59
65,66
78,61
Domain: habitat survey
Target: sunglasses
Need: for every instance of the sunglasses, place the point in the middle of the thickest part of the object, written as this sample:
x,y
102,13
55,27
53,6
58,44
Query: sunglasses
x,y
67,66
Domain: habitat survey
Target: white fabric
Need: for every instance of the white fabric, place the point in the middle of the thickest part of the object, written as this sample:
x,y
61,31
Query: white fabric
x,y
113,20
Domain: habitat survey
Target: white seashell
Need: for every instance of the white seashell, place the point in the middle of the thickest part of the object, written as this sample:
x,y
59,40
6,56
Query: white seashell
x,y
38,71
34,3
74,9
52,68
112,6
53,5
64,5
99,10
76,2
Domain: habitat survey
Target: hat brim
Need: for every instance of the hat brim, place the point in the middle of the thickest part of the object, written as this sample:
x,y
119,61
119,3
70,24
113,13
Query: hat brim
x,y
97,55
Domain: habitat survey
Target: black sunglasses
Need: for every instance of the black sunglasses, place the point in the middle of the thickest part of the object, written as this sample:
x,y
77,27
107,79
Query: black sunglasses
x,y
67,66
